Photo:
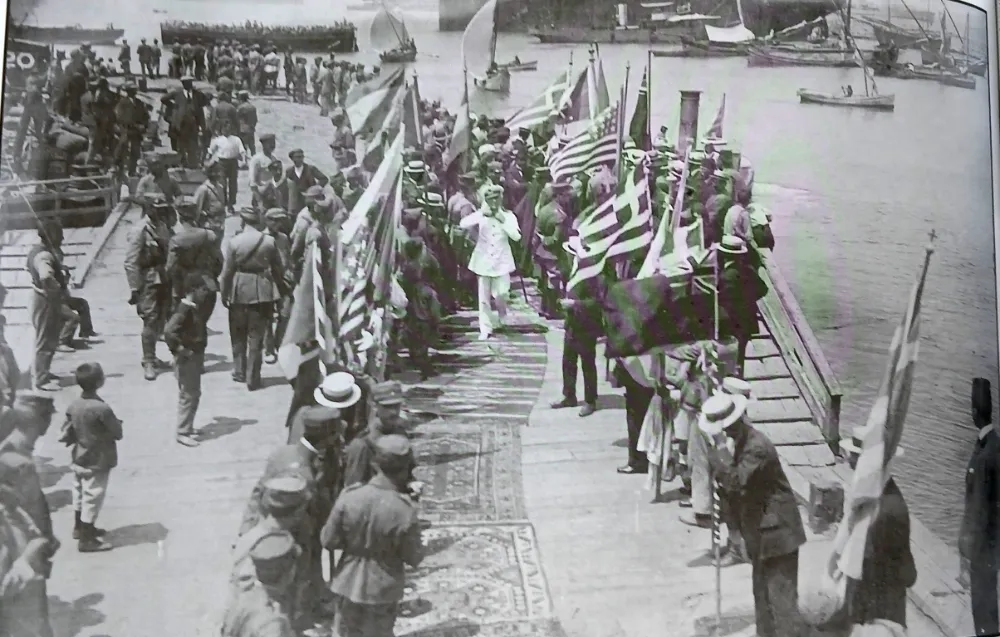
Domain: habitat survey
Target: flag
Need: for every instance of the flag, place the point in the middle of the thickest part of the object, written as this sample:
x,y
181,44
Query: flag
x,y
715,130
602,99
375,149
413,125
638,129
880,439
369,112
461,138
545,107
527,222
593,147
620,226
663,243
299,343
575,106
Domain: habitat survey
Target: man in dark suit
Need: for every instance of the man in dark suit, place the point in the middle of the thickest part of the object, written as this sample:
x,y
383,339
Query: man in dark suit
x,y
583,327
98,116
186,116
131,121
762,508
252,280
979,539
888,568
194,250
301,177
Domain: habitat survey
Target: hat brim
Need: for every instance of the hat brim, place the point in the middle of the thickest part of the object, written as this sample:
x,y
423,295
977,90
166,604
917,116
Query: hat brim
x,y
847,446
338,404
714,428
726,250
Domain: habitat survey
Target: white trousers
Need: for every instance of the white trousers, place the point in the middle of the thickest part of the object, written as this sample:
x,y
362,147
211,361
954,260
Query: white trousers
x,y
89,488
492,287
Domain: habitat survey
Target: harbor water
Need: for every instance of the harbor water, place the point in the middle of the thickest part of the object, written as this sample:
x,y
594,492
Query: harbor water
x,y
854,196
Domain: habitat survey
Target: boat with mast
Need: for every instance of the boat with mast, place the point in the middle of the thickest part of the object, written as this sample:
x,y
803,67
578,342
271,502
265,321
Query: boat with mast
x,y
870,100
388,36
482,29
887,33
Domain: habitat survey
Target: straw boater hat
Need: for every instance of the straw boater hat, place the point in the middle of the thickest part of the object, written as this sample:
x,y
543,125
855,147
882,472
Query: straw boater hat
x,y
338,391
855,443
732,245
415,167
433,200
490,191
736,386
720,412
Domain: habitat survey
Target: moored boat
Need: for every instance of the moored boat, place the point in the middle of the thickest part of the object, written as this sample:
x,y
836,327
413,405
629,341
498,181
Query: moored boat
x,y
958,80
875,102
517,65
388,35
66,35
762,56
340,38
887,33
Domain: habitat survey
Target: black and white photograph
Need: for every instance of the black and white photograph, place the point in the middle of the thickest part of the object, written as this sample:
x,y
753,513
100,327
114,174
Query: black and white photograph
x,y
499,318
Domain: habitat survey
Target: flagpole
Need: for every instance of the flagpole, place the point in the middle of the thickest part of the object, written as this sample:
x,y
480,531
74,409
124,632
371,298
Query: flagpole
x,y
716,496
649,100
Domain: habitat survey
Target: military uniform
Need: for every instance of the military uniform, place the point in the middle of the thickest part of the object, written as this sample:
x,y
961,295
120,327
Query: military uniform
x,y
369,520
26,613
145,269
252,280
360,452
263,609
157,184
247,115
48,311
195,250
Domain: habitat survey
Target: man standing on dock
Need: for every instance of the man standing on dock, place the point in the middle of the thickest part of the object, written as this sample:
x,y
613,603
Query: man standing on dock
x,y
187,121
48,281
145,269
979,540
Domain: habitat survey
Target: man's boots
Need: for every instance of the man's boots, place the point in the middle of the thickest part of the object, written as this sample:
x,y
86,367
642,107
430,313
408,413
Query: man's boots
x,y
78,527
91,540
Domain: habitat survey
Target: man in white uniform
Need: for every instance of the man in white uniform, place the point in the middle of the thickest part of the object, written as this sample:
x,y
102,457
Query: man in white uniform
x,y
492,259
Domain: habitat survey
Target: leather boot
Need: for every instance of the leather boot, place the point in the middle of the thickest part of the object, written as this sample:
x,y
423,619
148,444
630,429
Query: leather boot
x,y
90,541
149,371
77,525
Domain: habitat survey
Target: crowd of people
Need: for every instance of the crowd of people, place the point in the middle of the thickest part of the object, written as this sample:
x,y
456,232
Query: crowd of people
x,y
344,480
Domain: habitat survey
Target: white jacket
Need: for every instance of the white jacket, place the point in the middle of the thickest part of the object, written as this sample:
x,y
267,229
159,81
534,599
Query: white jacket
x,y
492,255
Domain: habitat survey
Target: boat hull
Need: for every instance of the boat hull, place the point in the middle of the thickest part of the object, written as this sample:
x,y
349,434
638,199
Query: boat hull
x,y
67,35
523,66
960,81
876,102
570,35
763,57
498,83
886,35
335,41
397,57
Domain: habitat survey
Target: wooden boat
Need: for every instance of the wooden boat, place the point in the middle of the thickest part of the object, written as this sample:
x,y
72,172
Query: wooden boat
x,y
514,67
875,102
954,79
67,35
388,35
887,33
707,48
336,39
767,57
482,29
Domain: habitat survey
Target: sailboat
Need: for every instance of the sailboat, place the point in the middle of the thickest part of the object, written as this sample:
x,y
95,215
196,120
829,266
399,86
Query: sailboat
x,y
388,35
482,30
870,100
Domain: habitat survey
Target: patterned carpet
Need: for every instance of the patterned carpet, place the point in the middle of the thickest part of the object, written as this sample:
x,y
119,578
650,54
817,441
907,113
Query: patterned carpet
x,y
482,575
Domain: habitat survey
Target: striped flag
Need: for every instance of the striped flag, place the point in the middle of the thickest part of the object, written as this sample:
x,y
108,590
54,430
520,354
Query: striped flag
x,y
369,113
376,149
668,230
363,238
461,137
546,106
880,439
715,130
593,147
621,226
309,317
588,97
638,128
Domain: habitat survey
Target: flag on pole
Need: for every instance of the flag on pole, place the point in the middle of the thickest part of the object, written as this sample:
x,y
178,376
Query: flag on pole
x,y
880,439
620,226
546,106
581,103
638,129
593,147
461,138
369,112
663,242
715,130
602,99
411,116
299,344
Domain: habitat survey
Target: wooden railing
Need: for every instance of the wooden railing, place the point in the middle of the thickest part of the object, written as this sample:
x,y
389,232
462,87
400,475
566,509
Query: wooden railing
x,y
802,352
24,203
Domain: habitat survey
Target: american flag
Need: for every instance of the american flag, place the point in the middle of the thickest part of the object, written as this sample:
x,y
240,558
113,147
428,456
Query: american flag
x,y
596,146
621,226
880,439
715,130
545,107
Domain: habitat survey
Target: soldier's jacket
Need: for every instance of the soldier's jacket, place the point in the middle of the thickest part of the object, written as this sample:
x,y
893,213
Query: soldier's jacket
x,y
247,113
194,250
289,460
19,477
358,456
150,185
223,114
146,257
254,613
251,271
378,531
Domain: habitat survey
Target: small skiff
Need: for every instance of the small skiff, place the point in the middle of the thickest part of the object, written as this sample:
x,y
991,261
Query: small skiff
x,y
513,67
961,81
498,82
398,56
876,102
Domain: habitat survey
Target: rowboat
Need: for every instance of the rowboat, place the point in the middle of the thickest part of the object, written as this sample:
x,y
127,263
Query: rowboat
x,y
67,35
874,102
514,67
482,30
768,57
954,79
